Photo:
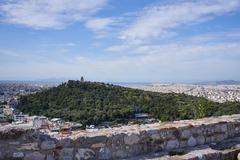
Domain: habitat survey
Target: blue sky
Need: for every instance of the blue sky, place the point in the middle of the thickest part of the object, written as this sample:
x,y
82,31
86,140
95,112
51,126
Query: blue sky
x,y
120,40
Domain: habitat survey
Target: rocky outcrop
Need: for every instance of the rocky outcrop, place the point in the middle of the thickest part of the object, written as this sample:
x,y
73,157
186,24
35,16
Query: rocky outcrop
x,y
24,142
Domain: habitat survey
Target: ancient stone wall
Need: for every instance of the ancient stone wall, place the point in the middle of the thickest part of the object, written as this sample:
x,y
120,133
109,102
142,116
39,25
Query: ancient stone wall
x,y
25,142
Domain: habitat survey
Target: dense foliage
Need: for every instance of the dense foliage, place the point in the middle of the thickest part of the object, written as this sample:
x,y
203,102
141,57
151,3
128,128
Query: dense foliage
x,y
93,103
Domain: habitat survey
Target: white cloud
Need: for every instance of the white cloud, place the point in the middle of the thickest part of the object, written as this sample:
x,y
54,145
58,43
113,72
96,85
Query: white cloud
x,y
217,45
100,24
160,20
118,48
48,13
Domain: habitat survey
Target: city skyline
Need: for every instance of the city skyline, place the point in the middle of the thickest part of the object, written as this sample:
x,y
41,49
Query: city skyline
x,y
120,41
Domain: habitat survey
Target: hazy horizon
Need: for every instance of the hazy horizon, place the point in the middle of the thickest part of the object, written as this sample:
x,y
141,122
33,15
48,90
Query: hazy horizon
x,y
61,80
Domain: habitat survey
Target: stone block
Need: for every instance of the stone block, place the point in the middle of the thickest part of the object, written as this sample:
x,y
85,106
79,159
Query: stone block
x,y
200,139
96,139
120,154
48,145
104,153
185,134
155,136
50,156
66,154
172,144
34,156
218,137
84,154
192,142
66,142
98,145
18,155
131,139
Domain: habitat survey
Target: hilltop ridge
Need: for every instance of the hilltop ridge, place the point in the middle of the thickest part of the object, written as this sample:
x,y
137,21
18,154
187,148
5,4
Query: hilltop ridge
x,y
95,102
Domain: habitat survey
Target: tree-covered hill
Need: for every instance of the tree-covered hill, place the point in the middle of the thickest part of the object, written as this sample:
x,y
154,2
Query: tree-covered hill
x,y
93,103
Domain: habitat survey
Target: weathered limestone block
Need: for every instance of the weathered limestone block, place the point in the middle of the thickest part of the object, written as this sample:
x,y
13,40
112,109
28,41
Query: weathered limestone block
x,y
14,143
221,128
200,139
98,145
152,132
164,134
84,154
48,145
133,150
116,140
66,154
155,136
231,129
34,156
157,145
96,139
185,134
18,155
183,143
29,146
65,142
184,157
218,137
172,144
120,154
131,139
104,153
199,154
192,142
238,156
50,156
229,154
172,133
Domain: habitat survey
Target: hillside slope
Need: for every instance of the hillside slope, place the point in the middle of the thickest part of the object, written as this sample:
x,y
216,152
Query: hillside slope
x,y
93,103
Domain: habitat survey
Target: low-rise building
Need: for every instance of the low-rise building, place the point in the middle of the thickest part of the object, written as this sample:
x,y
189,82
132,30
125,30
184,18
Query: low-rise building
x,y
141,115
8,111
3,118
20,117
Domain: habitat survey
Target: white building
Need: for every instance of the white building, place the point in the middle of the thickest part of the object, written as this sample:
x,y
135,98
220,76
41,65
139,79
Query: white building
x,y
20,117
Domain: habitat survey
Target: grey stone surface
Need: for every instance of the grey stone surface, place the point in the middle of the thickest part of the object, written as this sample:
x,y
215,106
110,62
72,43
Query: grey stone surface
x,y
192,142
66,154
171,144
47,145
84,154
18,154
104,153
50,156
238,156
200,139
131,139
186,133
119,142
34,156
